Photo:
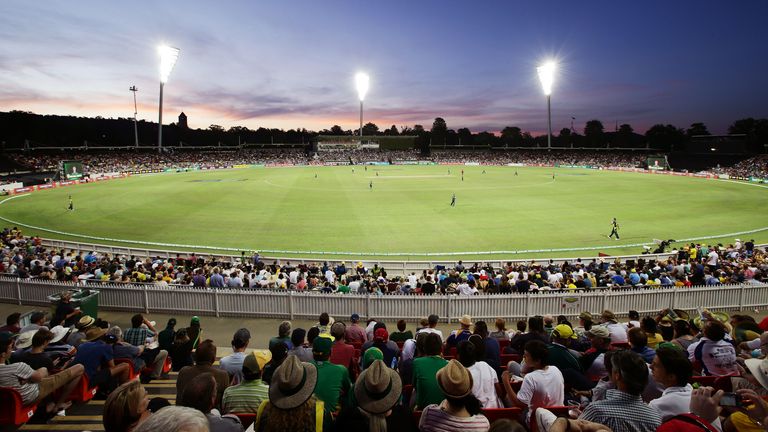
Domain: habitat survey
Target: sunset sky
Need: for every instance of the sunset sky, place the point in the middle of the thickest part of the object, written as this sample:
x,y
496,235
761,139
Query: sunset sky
x,y
291,64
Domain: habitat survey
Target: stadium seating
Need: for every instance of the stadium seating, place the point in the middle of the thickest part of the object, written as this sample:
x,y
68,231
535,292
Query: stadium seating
x,y
12,411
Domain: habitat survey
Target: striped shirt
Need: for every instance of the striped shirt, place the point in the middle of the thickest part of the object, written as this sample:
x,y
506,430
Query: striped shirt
x,y
434,419
623,412
245,397
13,374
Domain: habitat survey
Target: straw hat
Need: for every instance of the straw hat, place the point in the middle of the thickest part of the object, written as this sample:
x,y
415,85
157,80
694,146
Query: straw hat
x,y
466,320
58,333
454,380
378,388
292,383
94,333
85,322
759,368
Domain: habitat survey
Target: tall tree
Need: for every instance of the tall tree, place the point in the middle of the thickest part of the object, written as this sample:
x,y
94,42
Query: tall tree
x,y
697,129
564,139
439,126
370,129
512,136
337,130
465,136
392,131
624,136
594,132
664,137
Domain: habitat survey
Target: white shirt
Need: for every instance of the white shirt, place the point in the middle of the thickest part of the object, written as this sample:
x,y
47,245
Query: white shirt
x,y
717,358
330,276
541,388
673,401
293,276
484,379
412,280
465,289
597,369
713,257
431,330
354,286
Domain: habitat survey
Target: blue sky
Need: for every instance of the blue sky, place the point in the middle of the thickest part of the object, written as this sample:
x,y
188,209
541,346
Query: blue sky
x,y
291,64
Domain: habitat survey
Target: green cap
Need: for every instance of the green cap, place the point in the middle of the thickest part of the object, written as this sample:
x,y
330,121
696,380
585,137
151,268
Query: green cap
x,y
195,320
322,345
372,354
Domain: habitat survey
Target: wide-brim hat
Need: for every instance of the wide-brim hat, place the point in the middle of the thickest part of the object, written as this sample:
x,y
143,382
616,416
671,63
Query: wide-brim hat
x,y
466,320
58,333
759,369
723,317
94,333
25,339
454,380
378,388
292,383
85,322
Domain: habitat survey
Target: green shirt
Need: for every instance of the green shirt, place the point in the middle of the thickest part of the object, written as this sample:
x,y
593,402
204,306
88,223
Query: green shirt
x,y
560,357
343,289
245,397
425,380
332,381
401,336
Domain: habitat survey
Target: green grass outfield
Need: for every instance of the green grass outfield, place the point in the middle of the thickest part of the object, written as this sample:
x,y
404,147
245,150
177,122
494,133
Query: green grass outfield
x,y
406,211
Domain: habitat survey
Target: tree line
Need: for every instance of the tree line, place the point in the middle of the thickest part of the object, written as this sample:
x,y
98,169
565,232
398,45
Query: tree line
x,y
19,127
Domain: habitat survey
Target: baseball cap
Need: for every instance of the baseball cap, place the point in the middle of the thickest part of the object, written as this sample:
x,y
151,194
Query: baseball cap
x,y
380,335
195,320
599,331
355,317
372,354
563,331
586,316
322,345
251,364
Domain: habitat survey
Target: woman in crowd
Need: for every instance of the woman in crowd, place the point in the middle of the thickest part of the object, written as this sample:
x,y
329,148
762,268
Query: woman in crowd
x,y
126,407
460,410
501,330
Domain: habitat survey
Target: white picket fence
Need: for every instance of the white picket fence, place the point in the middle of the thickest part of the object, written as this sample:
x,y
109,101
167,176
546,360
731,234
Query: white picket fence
x,y
284,304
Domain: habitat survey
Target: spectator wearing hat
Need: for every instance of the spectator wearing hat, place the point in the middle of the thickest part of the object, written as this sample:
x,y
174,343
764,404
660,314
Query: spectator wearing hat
x,y
35,385
12,323
371,355
35,357
672,370
565,359
36,321
97,357
333,380
618,331
65,314
283,335
200,393
754,416
342,353
463,333
484,377
592,361
389,349
76,338
292,405
425,368
194,331
300,349
623,409
233,363
204,358
246,396
377,392
638,341
460,410
354,334
543,384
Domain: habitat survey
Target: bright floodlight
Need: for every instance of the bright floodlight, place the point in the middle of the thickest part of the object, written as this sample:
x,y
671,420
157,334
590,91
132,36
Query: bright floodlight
x,y
168,57
361,79
547,76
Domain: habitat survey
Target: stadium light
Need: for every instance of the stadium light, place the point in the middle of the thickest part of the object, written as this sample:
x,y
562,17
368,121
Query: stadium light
x,y
168,57
547,78
361,80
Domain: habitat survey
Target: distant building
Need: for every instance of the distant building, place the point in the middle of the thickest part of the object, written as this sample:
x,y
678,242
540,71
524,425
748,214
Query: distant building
x,y
183,121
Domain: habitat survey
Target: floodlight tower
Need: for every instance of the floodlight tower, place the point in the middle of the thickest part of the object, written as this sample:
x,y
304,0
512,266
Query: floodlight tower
x,y
362,80
135,113
168,57
547,77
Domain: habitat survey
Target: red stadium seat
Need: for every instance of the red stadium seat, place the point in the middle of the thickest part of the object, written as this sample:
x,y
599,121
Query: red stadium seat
x,y
83,392
503,343
132,372
407,392
416,418
12,411
246,419
167,365
494,414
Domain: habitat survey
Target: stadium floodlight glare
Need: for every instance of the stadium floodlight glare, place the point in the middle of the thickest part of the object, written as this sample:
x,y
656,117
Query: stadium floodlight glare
x,y
362,81
168,57
547,78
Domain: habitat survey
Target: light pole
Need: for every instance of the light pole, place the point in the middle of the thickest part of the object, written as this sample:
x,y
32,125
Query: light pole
x,y
168,57
547,77
362,80
135,113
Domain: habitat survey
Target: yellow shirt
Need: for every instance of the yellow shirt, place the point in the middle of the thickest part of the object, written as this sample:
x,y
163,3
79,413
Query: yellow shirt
x,y
654,340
